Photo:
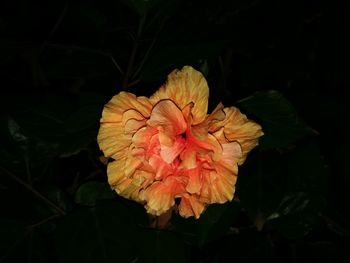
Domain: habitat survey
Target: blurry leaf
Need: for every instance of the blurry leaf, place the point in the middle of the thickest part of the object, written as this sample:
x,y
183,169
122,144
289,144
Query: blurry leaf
x,y
187,227
83,118
90,192
13,137
20,243
158,246
59,197
204,68
171,57
213,223
280,122
291,204
73,143
12,233
286,190
261,185
296,225
107,232
216,221
307,170
247,246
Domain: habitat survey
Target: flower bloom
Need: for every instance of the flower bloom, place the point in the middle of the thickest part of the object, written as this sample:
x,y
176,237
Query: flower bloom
x,y
166,147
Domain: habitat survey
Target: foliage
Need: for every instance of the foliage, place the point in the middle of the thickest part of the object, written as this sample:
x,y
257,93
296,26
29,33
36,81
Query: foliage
x,y
61,61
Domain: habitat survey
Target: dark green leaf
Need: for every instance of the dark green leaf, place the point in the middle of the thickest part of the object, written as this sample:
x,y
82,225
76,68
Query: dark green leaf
x,y
216,221
108,232
73,143
158,246
280,121
83,118
90,192
21,243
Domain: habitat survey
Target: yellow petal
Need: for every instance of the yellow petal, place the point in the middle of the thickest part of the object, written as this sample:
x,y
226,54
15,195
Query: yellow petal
x,y
183,87
190,205
113,141
120,103
218,185
237,127
158,197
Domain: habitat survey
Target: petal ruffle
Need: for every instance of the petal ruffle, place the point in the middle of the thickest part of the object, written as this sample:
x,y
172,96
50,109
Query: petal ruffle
x,y
183,87
237,127
169,120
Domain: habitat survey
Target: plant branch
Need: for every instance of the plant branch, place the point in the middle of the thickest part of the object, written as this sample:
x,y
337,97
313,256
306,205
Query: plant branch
x,y
60,210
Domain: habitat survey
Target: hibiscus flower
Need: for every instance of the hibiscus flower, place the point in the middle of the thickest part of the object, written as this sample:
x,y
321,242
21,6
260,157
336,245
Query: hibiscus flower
x,y
168,152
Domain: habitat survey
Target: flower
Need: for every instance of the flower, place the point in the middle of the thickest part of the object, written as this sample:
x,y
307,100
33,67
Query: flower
x,y
166,147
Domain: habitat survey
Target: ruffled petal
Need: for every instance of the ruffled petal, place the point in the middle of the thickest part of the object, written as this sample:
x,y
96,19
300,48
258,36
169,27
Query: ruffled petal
x,y
169,120
158,197
121,117
183,87
124,186
190,205
113,141
238,128
194,181
115,108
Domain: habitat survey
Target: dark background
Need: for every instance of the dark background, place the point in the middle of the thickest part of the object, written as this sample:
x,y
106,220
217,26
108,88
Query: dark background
x,y
283,63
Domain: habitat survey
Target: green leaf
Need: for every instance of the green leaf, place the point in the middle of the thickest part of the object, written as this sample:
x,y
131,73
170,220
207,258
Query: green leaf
x,y
247,246
158,246
280,121
216,221
83,118
90,192
213,223
108,232
13,137
21,243
73,143
285,190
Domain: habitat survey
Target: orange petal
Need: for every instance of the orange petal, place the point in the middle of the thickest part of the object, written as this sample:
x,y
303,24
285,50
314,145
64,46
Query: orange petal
x,y
183,87
158,197
142,138
126,187
111,138
218,186
188,158
194,181
120,103
190,205
169,117
169,153
161,168
238,128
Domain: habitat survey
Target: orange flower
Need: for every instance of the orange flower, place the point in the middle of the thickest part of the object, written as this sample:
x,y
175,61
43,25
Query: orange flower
x,y
167,147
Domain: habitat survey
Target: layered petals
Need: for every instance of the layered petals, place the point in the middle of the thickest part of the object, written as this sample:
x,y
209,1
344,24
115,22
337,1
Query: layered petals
x,y
168,147
183,87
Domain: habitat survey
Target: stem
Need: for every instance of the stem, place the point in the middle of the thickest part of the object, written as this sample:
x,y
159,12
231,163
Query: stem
x,y
35,192
133,53
44,221
29,174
